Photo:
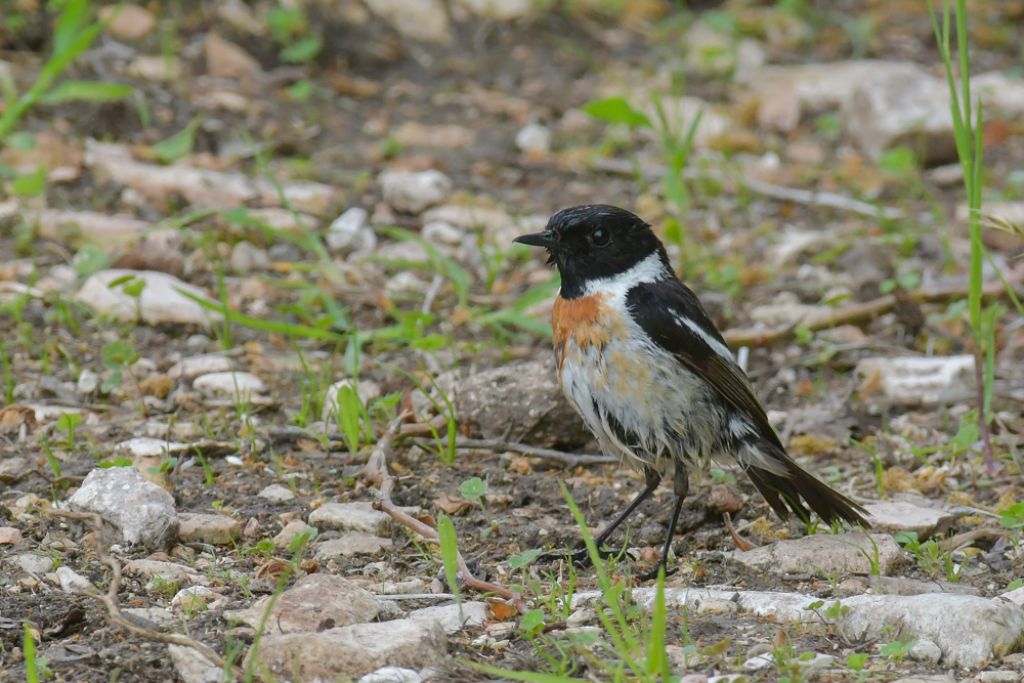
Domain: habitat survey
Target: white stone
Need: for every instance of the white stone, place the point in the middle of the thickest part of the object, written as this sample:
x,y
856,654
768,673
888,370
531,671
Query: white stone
x,y
391,674
412,192
73,582
194,598
925,650
1016,596
276,493
159,301
246,257
913,381
32,563
442,233
148,447
193,666
824,555
366,390
533,138
351,517
895,516
195,527
425,20
451,618
194,366
351,544
229,384
502,10
351,232
142,511
88,382
315,602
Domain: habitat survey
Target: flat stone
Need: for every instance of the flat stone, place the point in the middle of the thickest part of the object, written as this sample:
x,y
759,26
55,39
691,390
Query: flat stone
x,y
351,233
159,617
316,602
917,381
425,20
352,651
159,302
224,59
895,516
194,366
291,530
73,582
351,517
195,598
391,674
451,618
148,447
122,496
351,544
13,467
203,528
412,192
275,493
193,666
229,384
165,571
1016,596
127,21
32,563
824,555
519,401
10,535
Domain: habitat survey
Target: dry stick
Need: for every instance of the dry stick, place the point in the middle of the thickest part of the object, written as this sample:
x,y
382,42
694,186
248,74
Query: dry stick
x,y
854,313
109,599
376,471
570,459
789,194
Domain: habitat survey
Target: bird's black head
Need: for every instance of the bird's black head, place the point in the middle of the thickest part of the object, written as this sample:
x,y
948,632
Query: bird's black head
x,y
594,241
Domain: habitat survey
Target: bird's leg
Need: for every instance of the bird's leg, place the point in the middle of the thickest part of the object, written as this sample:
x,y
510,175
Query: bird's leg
x,y
680,486
580,557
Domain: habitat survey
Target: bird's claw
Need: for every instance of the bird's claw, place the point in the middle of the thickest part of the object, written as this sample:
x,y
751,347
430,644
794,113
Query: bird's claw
x,y
652,574
579,557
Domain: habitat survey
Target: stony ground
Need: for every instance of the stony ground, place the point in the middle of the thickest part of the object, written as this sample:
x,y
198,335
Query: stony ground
x,y
266,331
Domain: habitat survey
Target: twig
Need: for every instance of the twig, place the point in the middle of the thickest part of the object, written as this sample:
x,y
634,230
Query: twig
x,y
743,544
376,471
570,459
854,313
832,200
110,601
973,536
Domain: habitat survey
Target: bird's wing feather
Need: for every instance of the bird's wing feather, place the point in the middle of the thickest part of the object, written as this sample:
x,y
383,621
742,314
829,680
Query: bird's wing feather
x,y
672,316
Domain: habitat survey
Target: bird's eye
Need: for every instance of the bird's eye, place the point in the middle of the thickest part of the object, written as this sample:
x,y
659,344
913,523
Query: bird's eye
x,y
599,237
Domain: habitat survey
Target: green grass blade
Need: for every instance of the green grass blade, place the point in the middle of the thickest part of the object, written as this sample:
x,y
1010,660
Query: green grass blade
x,y
449,553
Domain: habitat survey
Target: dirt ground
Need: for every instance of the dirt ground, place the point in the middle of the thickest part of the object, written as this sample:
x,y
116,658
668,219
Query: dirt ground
x,y
373,99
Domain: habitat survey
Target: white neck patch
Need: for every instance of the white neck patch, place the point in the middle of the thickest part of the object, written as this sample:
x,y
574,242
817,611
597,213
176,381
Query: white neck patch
x,y
651,269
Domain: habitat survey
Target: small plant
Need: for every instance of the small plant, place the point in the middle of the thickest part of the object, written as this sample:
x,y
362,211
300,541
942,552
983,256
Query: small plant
x,y
473,489
449,554
896,650
930,556
36,668
291,30
118,356
68,422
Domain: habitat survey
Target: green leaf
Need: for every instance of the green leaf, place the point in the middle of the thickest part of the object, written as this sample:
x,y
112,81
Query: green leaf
x,y
532,622
657,657
179,144
856,660
89,259
28,650
118,354
30,184
617,110
449,553
523,559
87,91
302,50
473,488
68,421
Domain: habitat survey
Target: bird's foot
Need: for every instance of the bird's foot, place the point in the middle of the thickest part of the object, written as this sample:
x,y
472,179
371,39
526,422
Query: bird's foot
x,y
652,574
579,557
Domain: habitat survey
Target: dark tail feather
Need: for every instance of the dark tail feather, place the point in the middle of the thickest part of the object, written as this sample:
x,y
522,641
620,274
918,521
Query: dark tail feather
x,y
800,492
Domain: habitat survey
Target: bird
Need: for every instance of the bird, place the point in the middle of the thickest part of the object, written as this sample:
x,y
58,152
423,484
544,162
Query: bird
x,y
642,363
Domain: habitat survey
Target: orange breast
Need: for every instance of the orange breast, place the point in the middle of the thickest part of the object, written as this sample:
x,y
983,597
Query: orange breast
x,y
584,321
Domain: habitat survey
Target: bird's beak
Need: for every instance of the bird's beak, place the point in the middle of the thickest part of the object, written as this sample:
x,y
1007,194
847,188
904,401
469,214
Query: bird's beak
x,y
544,239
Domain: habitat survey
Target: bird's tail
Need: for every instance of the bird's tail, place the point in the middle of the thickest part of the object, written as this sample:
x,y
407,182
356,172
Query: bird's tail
x,y
789,488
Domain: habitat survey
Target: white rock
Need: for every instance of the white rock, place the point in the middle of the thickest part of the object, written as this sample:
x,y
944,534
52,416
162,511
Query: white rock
x,y
451,618
194,366
195,598
148,447
142,511
1016,596
193,666
925,650
88,382
365,389
276,493
895,516
73,582
352,651
391,674
442,233
292,529
824,555
351,232
351,517
412,192
34,564
351,544
901,106
315,602
534,138
425,20
165,571
502,10
229,384
758,662
912,381
246,257
405,282
194,527
159,302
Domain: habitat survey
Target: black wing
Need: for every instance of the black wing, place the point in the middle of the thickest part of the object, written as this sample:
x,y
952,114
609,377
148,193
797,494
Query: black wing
x,y
661,309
